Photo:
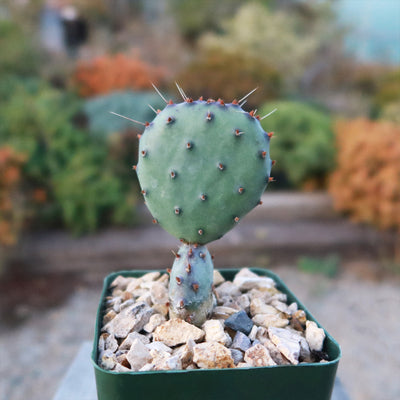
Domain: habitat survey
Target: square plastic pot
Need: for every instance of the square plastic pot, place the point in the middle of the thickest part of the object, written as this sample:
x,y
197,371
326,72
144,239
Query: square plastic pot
x,y
304,381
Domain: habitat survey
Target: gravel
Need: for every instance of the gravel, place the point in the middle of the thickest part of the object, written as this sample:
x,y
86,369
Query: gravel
x,y
360,313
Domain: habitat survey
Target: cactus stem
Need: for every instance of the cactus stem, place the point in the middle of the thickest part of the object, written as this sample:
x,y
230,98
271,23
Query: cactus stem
x,y
177,210
195,287
200,232
173,174
221,167
267,115
241,190
178,280
247,95
236,219
189,269
203,197
159,93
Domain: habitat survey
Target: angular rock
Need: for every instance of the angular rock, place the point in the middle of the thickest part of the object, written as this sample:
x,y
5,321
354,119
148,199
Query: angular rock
x,y
121,368
240,321
258,356
222,312
185,353
120,282
145,298
227,289
107,342
158,347
127,343
292,308
126,304
123,360
214,330
287,342
167,363
133,285
212,355
275,354
176,331
253,332
217,278
280,306
107,359
130,319
237,356
154,321
267,320
150,276
243,302
315,336
246,280
241,342
243,365
258,306
159,293
138,355
109,316
161,309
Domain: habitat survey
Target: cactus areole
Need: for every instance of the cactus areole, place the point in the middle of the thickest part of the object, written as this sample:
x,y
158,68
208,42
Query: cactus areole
x,y
202,166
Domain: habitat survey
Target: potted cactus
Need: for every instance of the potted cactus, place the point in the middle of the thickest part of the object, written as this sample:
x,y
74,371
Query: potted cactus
x,y
203,165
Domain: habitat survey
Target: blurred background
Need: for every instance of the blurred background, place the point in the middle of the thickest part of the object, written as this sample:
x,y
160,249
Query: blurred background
x,y
70,205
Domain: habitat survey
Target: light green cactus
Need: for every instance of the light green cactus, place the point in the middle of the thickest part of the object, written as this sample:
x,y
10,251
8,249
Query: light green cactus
x,y
202,166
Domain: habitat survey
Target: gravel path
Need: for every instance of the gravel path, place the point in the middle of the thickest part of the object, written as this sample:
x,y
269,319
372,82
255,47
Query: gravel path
x,y
361,314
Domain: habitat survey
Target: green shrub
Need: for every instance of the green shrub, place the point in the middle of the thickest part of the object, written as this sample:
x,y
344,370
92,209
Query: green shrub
x,y
303,144
69,168
130,104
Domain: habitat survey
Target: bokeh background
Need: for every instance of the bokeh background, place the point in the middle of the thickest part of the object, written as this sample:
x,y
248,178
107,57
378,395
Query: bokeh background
x,y
70,205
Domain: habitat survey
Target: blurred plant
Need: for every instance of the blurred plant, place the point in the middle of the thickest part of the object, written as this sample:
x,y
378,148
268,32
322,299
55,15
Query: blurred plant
x,y
328,266
389,89
66,171
213,73
366,182
11,216
134,104
279,38
114,72
303,145
18,55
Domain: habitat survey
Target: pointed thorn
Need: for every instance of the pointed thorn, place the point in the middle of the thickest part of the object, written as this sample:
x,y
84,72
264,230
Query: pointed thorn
x,y
188,269
176,254
178,280
152,108
200,232
147,124
195,287
159,93
259,202
202,255
134,167
263,154
241,190
189,100
273,162
221,167
247,95
270,134
155,221
236,219
139,136
169,270
267,115
200,98
129,119
181,304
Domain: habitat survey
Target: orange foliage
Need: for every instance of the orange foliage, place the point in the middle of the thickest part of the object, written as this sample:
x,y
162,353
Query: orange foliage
x,y
366,183
10,168
114,72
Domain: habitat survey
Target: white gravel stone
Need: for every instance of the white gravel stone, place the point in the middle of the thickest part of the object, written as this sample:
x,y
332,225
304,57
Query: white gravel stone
x,y
214,330
315,336
258,306
107,359
217,278
227,289
247,280
258,356
185,353
159,347
212,355
154,321
159,293
176,331
222,312
267,320
138,355
287,342
127,343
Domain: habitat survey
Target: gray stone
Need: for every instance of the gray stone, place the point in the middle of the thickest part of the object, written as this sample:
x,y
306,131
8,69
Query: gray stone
x,y
287,342
241,342
138,355
237,356
240,321
107,359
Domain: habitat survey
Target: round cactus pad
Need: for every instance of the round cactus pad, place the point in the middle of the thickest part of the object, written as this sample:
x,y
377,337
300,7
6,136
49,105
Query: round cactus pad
x,y
202,166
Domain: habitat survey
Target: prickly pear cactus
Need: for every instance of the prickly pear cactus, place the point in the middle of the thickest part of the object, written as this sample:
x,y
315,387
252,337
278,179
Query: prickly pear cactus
x,y
190,284
202,166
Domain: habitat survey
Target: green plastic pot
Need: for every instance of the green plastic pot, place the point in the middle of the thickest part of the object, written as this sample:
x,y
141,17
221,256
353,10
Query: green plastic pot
x,y
283,382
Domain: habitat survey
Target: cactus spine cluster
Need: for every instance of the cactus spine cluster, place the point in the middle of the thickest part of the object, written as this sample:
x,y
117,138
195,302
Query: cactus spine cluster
x,y
202,166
